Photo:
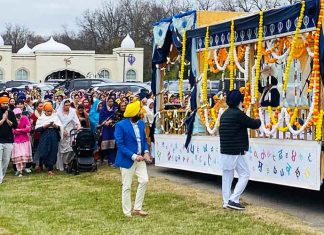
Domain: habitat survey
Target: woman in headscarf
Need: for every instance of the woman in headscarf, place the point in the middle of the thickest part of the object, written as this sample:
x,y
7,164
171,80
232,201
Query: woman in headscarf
x,y
69,120
148,120
120,112
86,104
83,116
12,104
22,151
50,126
94,115
106,120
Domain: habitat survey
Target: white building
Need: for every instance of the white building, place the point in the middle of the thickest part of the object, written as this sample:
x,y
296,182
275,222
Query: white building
x,y
54,60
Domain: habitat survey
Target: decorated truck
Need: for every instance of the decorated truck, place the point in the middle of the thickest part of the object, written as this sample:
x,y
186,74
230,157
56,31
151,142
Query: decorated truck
x,y
243,51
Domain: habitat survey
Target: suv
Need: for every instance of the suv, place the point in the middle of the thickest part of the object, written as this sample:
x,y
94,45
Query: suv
x,y
82,83
121,86
17,83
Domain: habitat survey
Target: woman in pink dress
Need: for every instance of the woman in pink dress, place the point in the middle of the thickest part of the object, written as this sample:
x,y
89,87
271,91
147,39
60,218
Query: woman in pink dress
x,y
22,151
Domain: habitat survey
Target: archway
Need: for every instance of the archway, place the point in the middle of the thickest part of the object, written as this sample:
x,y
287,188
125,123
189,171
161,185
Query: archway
x,y
63,75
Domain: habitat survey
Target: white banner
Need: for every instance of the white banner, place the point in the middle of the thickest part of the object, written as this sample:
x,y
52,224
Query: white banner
x,y
286,162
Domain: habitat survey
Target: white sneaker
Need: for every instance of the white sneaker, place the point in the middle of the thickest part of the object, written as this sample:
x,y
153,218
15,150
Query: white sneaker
x,y
27,170
16,173
20,175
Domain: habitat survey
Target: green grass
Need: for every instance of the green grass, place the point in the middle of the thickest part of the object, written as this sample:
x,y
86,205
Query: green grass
x,y
91,204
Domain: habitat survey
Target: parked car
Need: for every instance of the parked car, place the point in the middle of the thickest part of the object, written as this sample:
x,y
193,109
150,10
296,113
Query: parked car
x,y
2,86
81,83
17,83
42,86
213,87
121,86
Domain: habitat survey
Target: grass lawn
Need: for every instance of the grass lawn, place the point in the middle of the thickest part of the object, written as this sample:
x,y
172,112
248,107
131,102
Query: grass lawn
x,y
91,204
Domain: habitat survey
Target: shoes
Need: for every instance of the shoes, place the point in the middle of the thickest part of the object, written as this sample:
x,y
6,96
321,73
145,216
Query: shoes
x,y
140,213
128,215
50,173
235,206
20,175
38,169
16,173
27,170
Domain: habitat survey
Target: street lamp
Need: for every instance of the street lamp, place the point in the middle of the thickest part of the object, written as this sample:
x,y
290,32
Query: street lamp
x,y
131,60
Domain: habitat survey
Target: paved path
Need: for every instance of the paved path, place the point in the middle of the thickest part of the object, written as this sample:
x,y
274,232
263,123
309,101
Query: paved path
x,y
305,204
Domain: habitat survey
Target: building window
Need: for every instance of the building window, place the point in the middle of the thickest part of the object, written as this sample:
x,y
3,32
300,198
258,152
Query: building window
x,y
104,74
21,74
1,75
130,76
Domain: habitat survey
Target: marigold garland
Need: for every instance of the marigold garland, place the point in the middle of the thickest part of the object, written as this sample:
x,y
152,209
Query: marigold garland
x,y
293,47
319,126
204,82
231,54
182,66
258,60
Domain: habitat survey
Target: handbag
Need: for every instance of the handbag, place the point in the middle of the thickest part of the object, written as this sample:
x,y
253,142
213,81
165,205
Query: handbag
x,y
107,144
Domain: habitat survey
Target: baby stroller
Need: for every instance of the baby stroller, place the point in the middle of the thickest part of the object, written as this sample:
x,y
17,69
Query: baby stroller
x,y
83,145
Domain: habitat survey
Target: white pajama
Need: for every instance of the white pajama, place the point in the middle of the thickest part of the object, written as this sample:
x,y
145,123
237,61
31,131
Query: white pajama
x,y
139,169
5,155
229,164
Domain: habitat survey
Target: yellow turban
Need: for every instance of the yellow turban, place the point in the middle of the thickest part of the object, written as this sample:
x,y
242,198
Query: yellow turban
x,y
48,106
132,109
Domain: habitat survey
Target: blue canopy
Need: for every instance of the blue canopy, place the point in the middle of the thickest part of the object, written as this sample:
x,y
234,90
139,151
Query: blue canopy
x,y
277,21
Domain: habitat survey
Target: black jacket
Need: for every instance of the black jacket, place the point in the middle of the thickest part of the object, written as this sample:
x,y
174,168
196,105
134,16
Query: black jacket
x,y
6,135
275,97
233,133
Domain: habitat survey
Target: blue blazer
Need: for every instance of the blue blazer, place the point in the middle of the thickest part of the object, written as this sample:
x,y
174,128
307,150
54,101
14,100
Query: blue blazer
x,y
126,142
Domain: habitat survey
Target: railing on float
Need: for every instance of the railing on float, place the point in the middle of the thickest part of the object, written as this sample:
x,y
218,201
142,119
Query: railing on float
x,y
173,122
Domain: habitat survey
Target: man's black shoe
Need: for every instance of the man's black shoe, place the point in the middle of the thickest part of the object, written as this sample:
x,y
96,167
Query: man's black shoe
x,y
235,206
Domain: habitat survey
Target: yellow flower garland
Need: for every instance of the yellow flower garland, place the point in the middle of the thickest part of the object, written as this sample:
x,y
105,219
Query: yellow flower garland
x,y
231,54
259,54
182,66
319,126
275,122
293,47
204,82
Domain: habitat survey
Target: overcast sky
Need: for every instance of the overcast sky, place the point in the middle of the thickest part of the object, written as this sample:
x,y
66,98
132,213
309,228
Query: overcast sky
x,y
44,17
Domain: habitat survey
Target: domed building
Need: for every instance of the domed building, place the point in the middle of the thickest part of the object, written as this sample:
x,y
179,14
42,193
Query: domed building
x,y
52,60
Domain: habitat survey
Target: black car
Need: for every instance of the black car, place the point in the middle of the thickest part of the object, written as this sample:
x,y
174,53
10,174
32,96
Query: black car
x,y
17,83
81,83
2,86
120,86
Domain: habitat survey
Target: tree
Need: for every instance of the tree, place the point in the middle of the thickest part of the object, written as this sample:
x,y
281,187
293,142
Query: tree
x,y
18,35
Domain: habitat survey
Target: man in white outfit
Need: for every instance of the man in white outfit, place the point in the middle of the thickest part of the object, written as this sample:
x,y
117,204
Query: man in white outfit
x,y
132,152
234,143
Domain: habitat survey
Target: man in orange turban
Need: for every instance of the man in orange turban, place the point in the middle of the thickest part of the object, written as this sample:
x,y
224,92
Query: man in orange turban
x,y
48,106
7,123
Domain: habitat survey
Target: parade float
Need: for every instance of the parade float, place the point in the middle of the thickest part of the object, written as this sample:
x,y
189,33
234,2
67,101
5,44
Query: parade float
x,y
286,43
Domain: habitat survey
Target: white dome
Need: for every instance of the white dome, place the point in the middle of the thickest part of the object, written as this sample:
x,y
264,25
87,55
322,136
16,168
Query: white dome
x,y
51,45
1,41
25,50
127,42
